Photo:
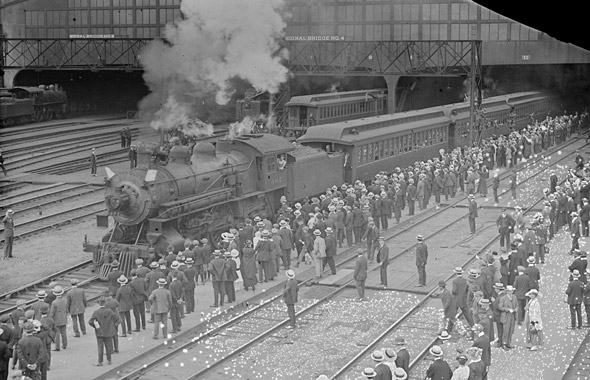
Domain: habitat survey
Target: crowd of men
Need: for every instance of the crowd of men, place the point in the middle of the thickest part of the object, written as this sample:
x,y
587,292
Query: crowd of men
x,y
309,232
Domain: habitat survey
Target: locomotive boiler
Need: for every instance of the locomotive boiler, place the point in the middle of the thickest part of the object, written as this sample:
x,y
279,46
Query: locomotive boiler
x,y
204,193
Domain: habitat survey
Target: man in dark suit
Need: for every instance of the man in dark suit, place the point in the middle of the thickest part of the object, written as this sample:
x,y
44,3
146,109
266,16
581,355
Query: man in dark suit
x,y
93,162
421,260
31,352
505,223
403,355
77,307
5,355
125,298
450,310
439,369
360,273
176,292
482,341
580,263
104,322
8,222
383,259
231,275
189,289
472,212
290,297
382,370
575,297
39,304
19,312
521,287
459,292
218,276
138,285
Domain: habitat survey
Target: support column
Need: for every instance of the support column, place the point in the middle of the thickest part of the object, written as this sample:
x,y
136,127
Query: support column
x,y
391,81
8,78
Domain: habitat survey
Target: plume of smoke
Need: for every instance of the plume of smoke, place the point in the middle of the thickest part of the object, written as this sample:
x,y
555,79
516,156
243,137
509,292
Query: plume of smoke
x,y
216,41
240,128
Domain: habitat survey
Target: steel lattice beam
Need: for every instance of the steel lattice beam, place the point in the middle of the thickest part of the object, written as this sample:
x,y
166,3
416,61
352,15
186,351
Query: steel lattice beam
x,y
72,53
415,58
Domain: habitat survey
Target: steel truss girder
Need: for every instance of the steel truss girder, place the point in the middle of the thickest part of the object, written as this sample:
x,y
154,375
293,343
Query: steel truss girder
x,y
72,53
414,58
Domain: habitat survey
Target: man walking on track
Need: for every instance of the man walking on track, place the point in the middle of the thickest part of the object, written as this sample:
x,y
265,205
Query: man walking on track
x,y
360,273
472,212
8,234
290,297
421,260
383,259
93,162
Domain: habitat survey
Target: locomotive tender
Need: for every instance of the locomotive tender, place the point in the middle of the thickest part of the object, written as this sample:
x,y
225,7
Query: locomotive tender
x,y
206,193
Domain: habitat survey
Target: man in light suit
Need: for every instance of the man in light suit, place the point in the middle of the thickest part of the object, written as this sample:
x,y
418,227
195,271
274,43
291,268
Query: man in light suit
x,y
77,306
59,314
161,302
360,273
508,306
383,259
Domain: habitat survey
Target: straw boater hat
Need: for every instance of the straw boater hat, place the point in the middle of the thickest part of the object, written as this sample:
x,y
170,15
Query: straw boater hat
x,y
369,373
161,281
74,281
41,294
390,353
575,273
436,351
419,237
399,374
122,280
189,261
154,264
377,356
444,335
58,290
458,270
290,273
317,232
531,259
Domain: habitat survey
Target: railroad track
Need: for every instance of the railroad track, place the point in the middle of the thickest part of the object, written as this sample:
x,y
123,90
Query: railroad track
x,y
261,315
83,272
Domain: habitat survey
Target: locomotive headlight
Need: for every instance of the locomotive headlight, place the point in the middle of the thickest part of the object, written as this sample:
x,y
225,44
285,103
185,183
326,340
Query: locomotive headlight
x,y
113,203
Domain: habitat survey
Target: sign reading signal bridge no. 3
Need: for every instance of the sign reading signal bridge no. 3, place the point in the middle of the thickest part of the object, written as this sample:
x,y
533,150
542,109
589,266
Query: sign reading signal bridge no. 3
x,y
314,38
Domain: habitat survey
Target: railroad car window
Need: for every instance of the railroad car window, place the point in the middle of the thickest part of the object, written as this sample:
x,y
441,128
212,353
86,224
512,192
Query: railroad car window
x,y
362,107
271,164
386,148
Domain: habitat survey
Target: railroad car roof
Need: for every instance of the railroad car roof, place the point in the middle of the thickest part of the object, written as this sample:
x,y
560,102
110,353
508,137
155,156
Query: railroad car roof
x,y
334,97
525,97
266,143
383,125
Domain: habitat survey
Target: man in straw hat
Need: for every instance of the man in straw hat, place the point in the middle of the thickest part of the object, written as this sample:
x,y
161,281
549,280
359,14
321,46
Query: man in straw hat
x,y
125,298
369,373
39,304
161,302
104,322
59,314
439,369
139,287
77,306
382,370
421,260
575,296
290,296
319,252
217,278
508,305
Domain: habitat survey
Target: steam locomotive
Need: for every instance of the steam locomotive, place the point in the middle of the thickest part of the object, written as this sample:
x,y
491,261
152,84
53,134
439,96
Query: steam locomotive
x,y
20,105
205,193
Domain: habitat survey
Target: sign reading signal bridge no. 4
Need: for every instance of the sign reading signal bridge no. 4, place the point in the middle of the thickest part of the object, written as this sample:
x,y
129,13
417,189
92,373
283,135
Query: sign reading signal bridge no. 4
x,y
314,38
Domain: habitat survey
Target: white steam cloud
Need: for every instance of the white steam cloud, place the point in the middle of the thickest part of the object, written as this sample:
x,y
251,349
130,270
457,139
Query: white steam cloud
x,y
216,41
